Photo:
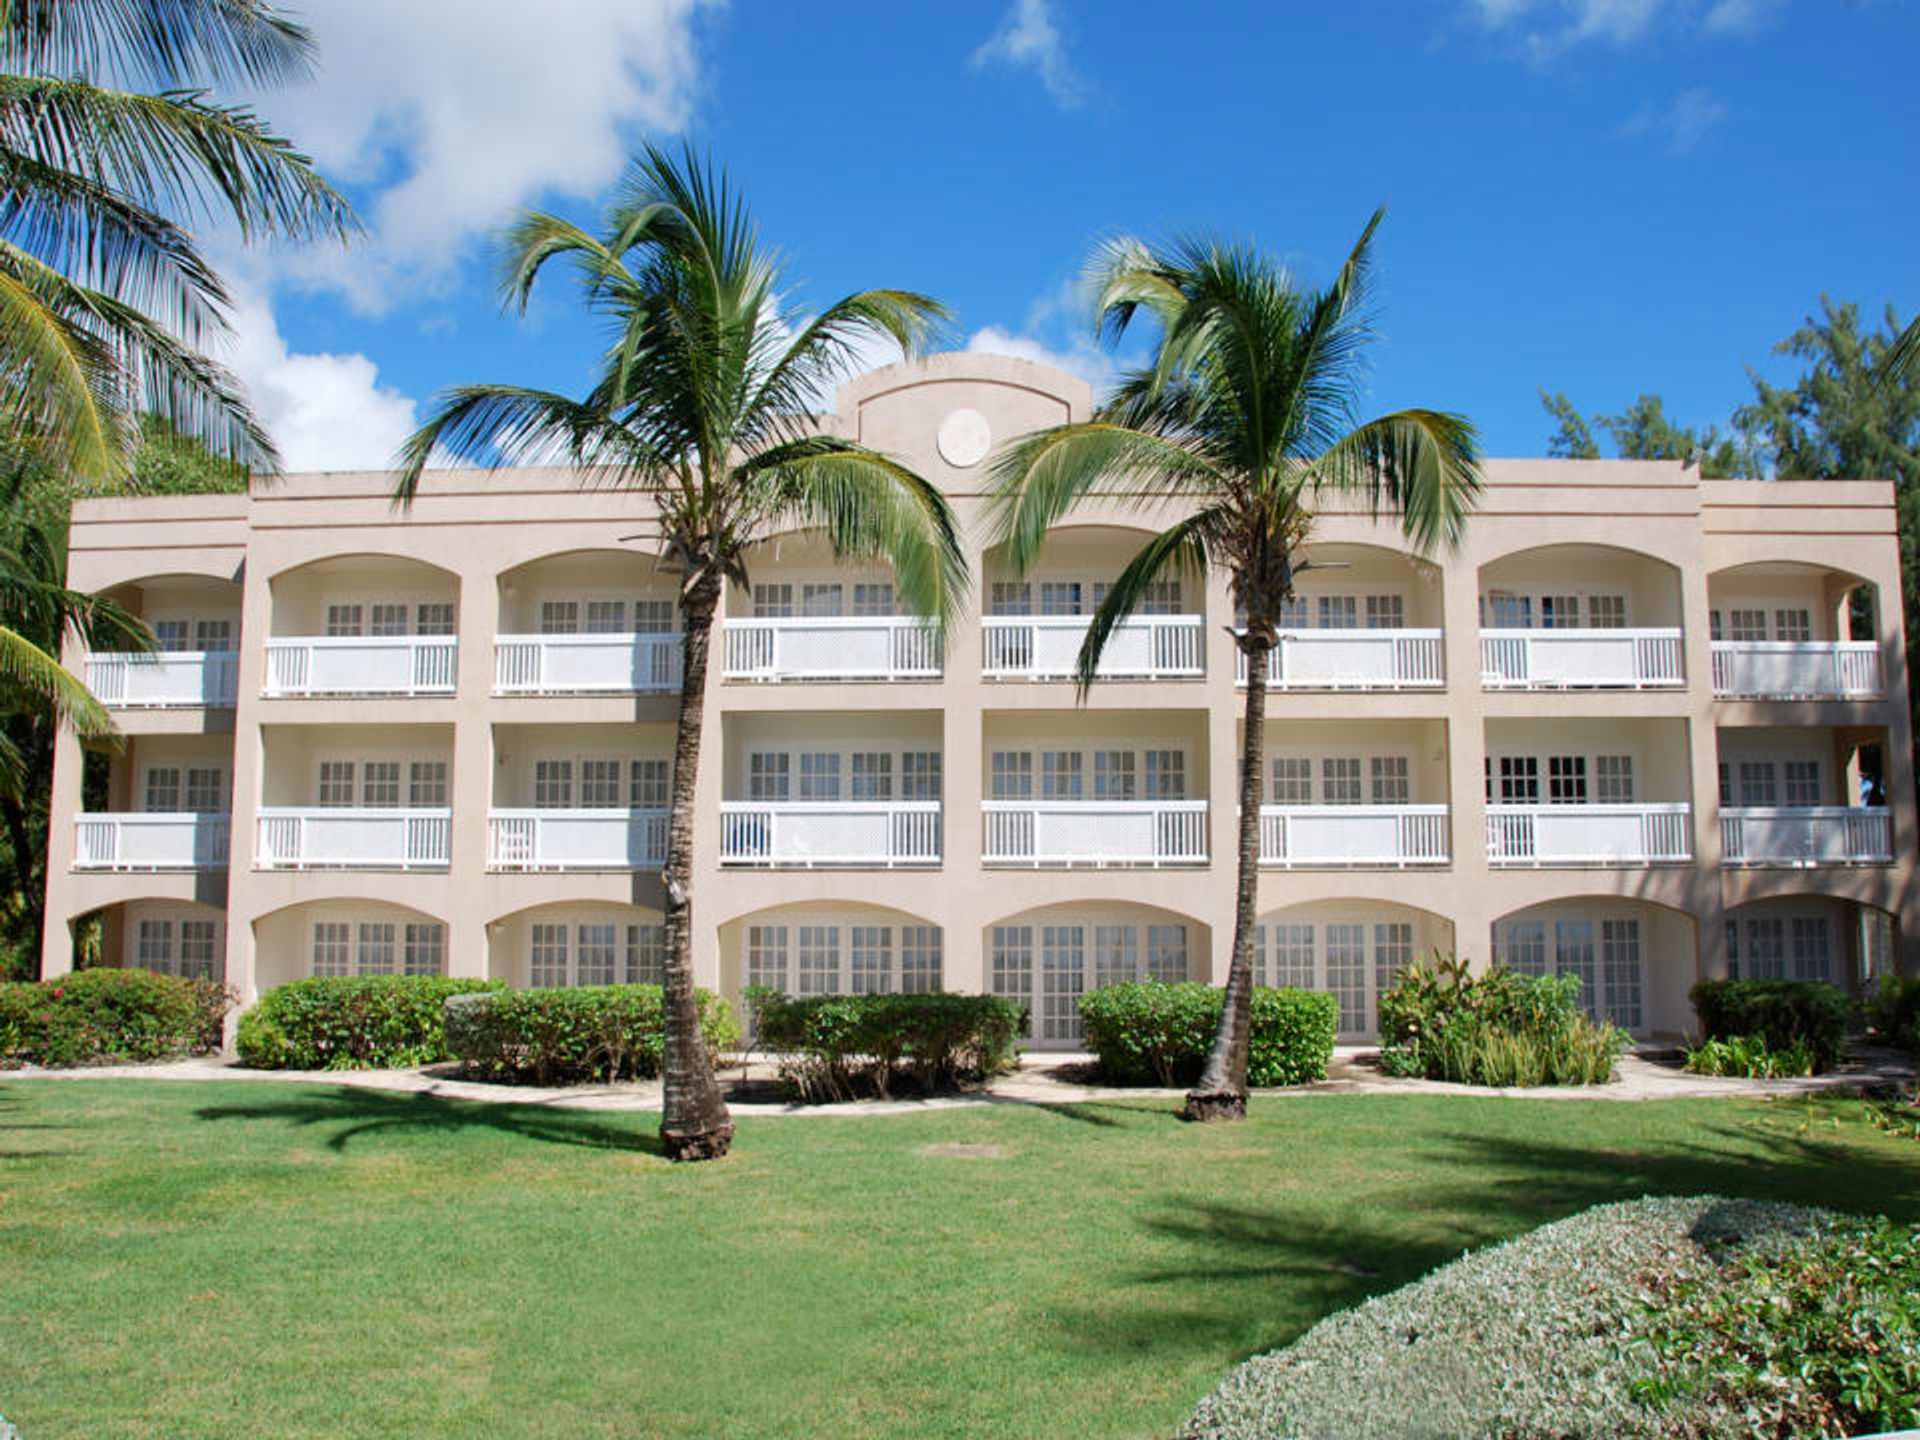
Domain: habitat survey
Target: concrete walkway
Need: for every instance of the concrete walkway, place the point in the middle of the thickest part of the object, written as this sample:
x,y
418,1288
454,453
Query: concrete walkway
x,y
1050,1079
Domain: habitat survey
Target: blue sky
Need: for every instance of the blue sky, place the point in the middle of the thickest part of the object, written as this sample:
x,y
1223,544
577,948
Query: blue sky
x,y
1601,196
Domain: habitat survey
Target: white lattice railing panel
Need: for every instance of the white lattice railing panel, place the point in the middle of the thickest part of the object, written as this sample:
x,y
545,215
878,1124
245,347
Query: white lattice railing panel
x,y
1589,834
150,842
1581,659
1094,832
1806,836
326,838
865,833
167,679
832,648
1047,647
1798,670
577,839
1355,660
362,665
587,664
1353,835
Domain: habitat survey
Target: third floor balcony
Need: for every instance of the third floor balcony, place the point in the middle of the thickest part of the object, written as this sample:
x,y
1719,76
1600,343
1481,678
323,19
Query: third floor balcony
x,y
1361,618
808,616
1789,631
195,664
1580,617
363,625
594,622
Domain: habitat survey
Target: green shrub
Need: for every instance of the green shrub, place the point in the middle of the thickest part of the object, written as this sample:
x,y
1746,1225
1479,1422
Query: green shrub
x,y
1748,1056
1893,1010
1154,1034
1781,1013
1444,1021
1822,1338
575,1035
366,1022
110,1016
836,1047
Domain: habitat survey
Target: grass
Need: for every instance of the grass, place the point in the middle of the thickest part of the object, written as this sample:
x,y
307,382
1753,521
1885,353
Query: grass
x,y
240,1259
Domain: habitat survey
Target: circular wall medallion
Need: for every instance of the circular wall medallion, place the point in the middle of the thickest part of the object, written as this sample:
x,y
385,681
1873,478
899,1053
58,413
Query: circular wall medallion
x,y
965,437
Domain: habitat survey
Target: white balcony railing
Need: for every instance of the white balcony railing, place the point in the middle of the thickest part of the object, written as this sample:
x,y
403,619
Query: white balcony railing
x,y
1805,836
809,833
1353,835
1047,647
164,679
362,665
577,839
1580,659
325,838
150,841
1798,670
1355,660
832,648
1589,834
587,664
1095,832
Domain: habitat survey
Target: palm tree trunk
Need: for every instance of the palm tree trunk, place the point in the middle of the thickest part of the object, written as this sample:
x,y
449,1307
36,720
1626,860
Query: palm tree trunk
x,y
694,1123
1222,1091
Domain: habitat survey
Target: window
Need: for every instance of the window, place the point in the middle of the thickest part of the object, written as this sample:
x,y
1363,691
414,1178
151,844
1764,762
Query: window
x,y
1620,969
1523,947
1716,625
1340,781
426,948
389,620
1167,953
920,775
649,784
1519,780
1063,978
336,782
344,620
1392,953
1757,785
547,958
1295,614
875,600
435,617
919,959
1733,949
1811,957
1292,780
1011,597
213,635
1765,956
1060,597
1501,610
154,946
427,784
205,787
872,775
559,617
1012,957
767,956
773,601
1113,775
1573,955
1802,781
872,959
1566,779
1388,780
1293,956
1012,775
1725,774
1607,612
1116,955
822,600
1347,974
1795,626
380,785
330,952
553,784
653,617
768,775
1162,598
820,775
647,955
1166,775
595,954
1746,626
1060,775
170,634
600,785
375,951
819,960
200,957
1386,612
1613,779
1559,612
163,789
1339,612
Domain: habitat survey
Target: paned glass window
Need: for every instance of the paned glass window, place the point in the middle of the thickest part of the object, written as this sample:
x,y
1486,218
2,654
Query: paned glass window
x,y
1340,780
1166,775
596,954
1060,597
1519,780
206,790
1523,947
1812,948
170,635
547,956
1566,779
1012,963
1607,612
1060,775
919,959
153,946
820,775
332,953
1347,974
345,620
426,948
1339,612
1746,626
1392,953
1765,956
427,784
823,600
650,784
1010,597
1292,780
1063,979
1167,953
336,783
375,950
559,617
1388,781
433,617
388,620
380,785
1116,955
1012,775
1386,612
819,956
773,601
920,775
607,617
213,635
553,784
163,790
1793,625
873,600
1502,610
1802,781
1757,783
647,955
1293,956
200,957
1559,612
768,775
1620,969
1113,775
872,959
600,784
653,617
767,956
1573,955
872,775
1162,598
1613,779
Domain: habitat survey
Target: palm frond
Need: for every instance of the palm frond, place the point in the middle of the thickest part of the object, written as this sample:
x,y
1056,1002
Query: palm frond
x,y
828,347
495,425
27,669
58,384
162,42
1183,549
1422,464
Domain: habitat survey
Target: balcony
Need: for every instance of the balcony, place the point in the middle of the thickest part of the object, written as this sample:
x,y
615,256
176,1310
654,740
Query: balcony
x,y
165,680
1047,647
1581,659
1356,836
576,839
1534,835
1802,837
148,841
1797,670
1355,660
879,834
342,839
1095,832
361,665
587,664
832,648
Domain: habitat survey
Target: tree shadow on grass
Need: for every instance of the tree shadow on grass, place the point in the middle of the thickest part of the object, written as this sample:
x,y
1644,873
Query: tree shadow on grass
x,y
359,1114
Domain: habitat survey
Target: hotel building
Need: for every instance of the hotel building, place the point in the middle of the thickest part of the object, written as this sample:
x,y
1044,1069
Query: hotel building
x,y
1640,726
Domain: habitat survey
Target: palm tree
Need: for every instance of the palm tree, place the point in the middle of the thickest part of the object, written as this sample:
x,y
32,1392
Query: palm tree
x,y
105,300
700,406
1244,421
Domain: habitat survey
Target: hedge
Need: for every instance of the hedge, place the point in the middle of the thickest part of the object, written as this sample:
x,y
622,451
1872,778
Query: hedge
x,y
1443,1020
1154,1034
571,1036
1893,1009
1780,1013
110,1017
834,1047
366,1022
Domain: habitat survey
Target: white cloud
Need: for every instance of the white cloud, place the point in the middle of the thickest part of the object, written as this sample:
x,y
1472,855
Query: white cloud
x,y
1739,17
1029,39
454,112
1685,123
1085,359
325,412
1545,29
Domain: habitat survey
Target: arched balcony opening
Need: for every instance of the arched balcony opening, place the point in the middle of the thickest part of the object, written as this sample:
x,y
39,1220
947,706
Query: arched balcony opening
x,y
1786,630
1580,617
1048,957
805,614
578,943
195,663
1635,960
1803,797
167,936
341,937
363,625
1353,950
833,947
1362,617
592,622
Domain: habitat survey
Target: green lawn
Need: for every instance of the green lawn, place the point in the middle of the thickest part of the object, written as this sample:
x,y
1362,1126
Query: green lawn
x,y
242,1259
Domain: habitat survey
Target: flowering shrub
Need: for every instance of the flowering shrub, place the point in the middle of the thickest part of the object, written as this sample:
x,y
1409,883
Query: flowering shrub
x,y
1444,1021
110,1016
367,1022
1154,1034
572,1036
